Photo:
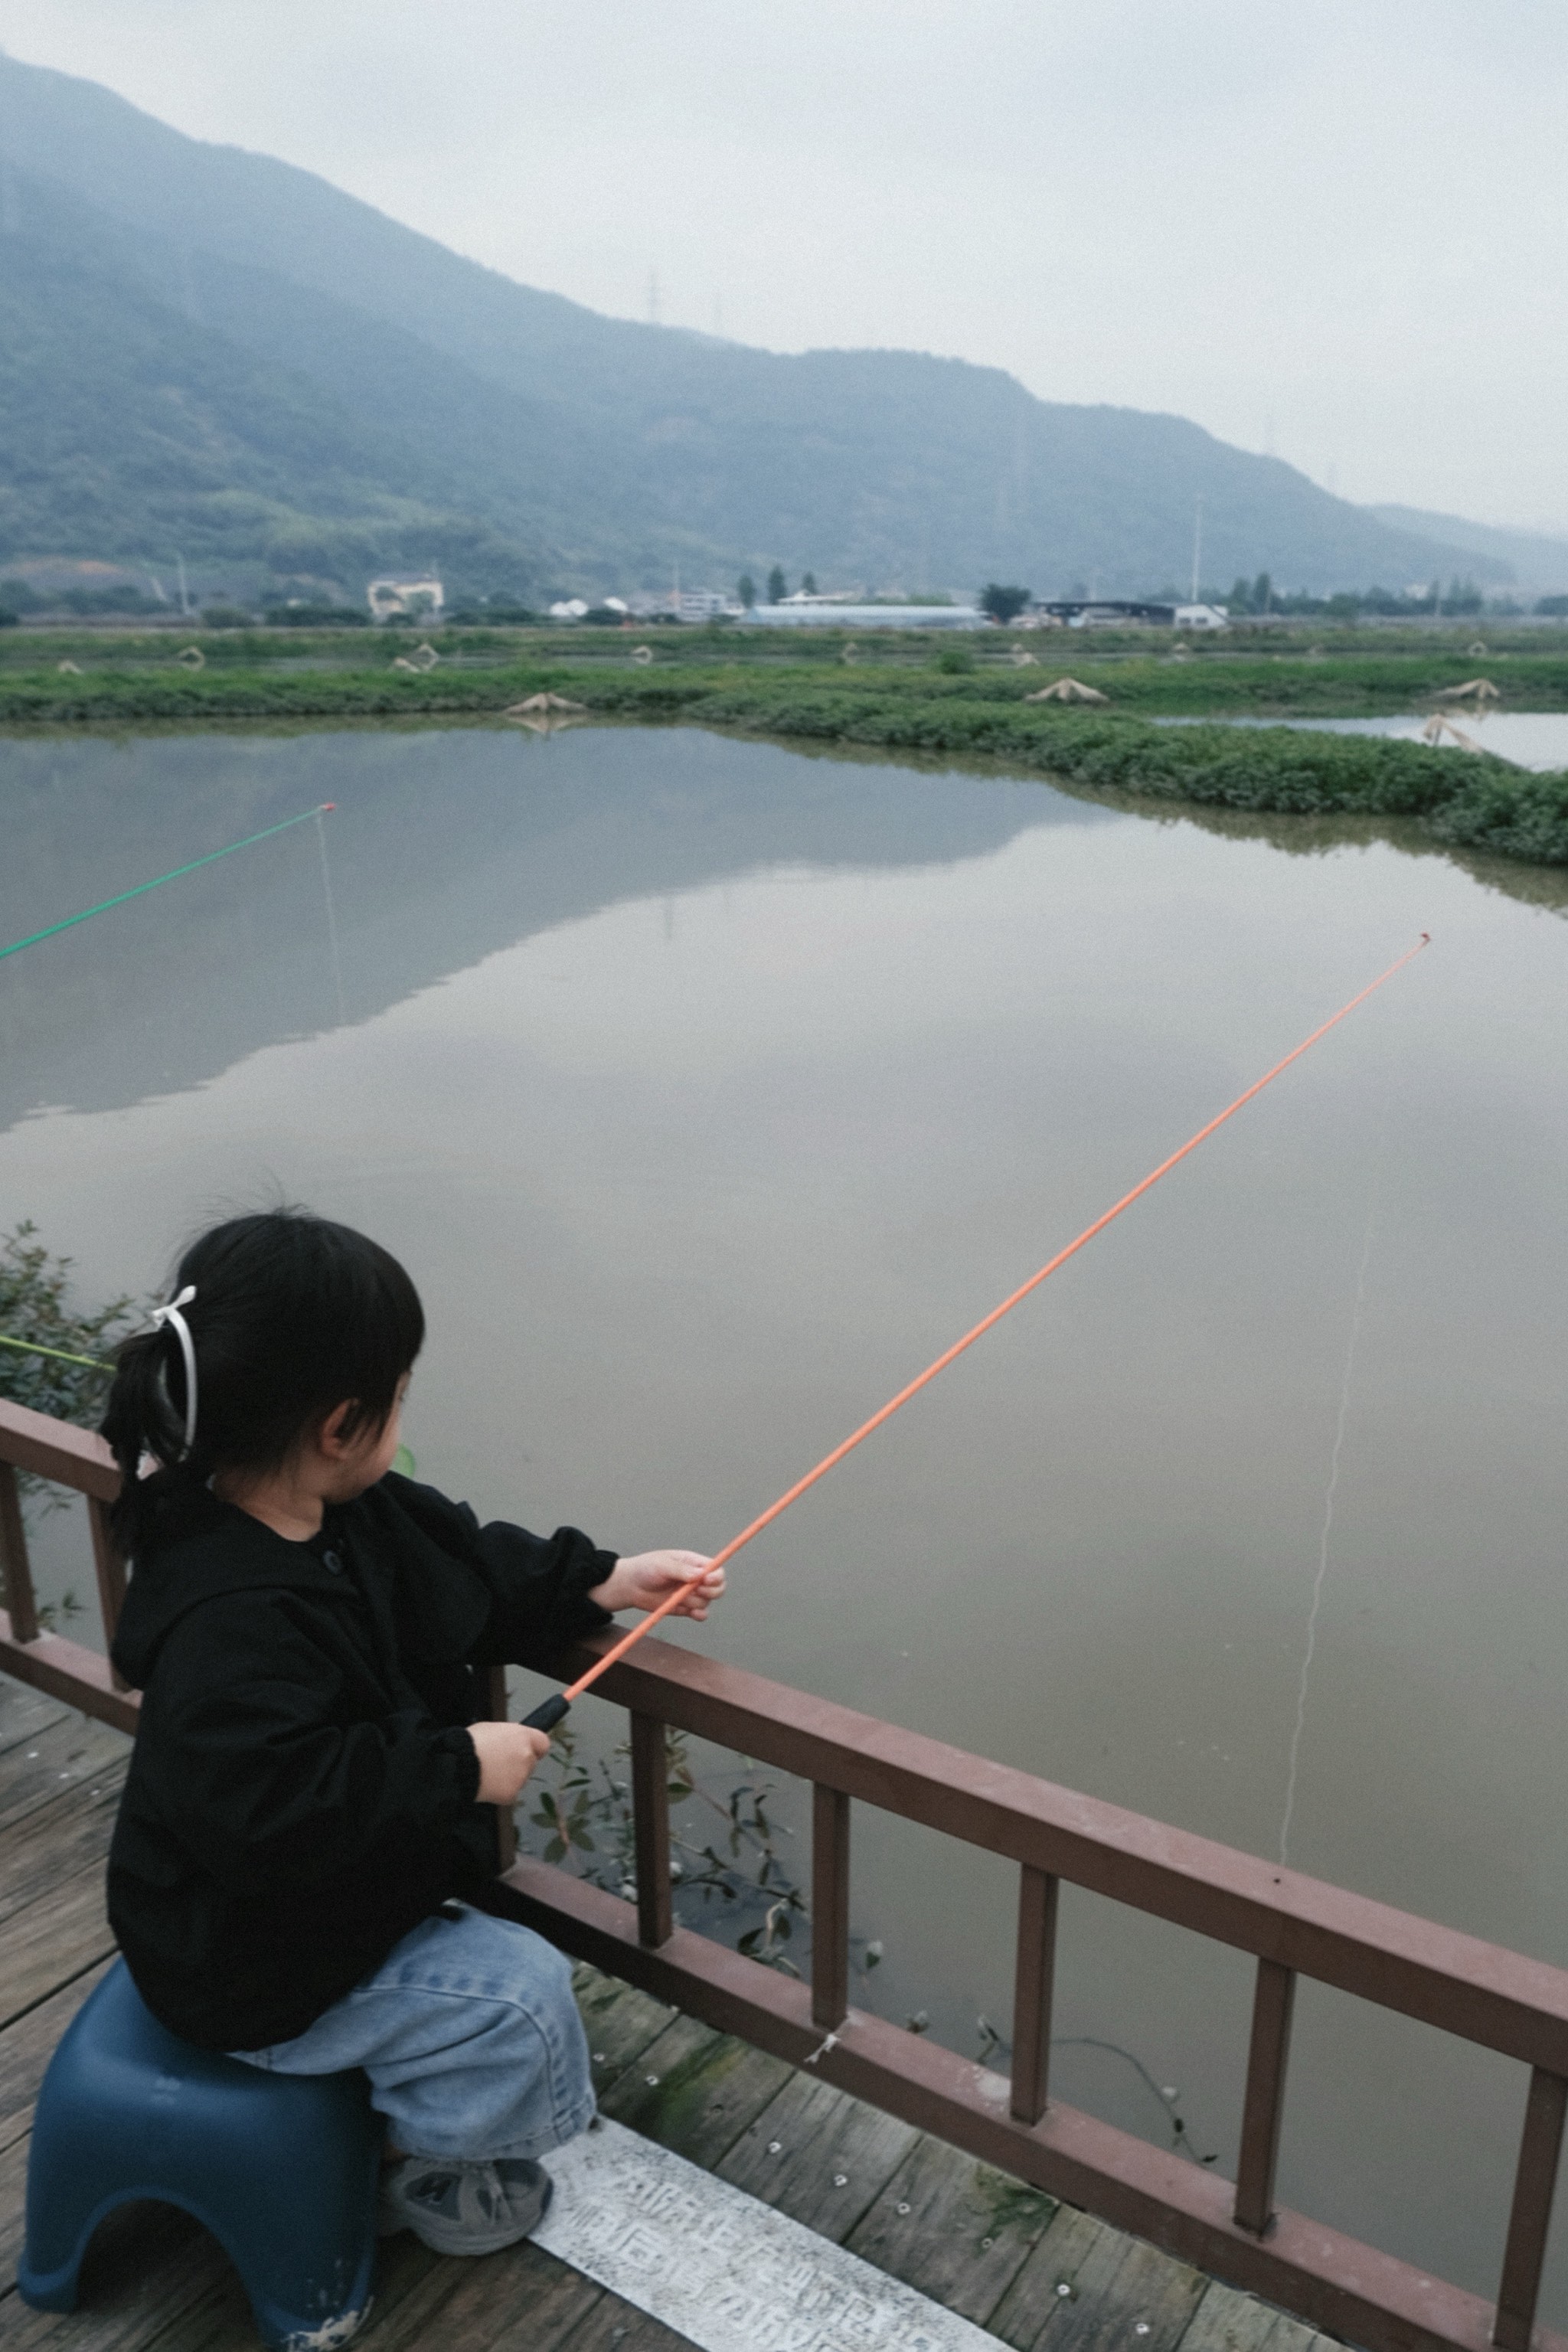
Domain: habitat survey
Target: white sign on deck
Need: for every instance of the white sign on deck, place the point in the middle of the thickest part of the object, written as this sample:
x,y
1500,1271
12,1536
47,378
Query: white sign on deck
x,y
720,2268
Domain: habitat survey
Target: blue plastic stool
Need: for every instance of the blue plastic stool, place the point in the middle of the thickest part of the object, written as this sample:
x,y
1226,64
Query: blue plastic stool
x,y
282,2168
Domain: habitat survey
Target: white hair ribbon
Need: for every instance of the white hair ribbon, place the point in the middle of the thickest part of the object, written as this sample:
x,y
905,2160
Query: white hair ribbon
x,y
163,1316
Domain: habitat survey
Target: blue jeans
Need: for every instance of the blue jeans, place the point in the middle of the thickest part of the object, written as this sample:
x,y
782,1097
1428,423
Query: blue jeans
x,y
470,2036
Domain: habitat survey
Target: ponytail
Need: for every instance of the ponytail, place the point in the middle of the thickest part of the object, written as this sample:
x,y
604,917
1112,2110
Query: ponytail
x,y
289,1316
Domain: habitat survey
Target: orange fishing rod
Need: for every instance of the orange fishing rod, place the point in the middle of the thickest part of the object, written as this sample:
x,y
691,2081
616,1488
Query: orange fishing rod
x,y
545,1716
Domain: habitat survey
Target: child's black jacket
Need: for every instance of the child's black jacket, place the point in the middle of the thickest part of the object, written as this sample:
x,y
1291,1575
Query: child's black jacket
x,y
301,1792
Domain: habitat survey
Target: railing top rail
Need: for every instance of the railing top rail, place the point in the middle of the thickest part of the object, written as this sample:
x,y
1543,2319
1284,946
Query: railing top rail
x,y
1481,1992
58,1450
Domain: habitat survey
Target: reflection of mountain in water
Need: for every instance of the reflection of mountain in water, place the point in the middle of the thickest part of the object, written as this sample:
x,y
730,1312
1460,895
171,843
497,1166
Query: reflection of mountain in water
x,y
444,847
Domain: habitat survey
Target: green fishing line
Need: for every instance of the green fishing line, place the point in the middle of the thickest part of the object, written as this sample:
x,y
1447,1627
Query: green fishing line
x,y
121,897
31,1348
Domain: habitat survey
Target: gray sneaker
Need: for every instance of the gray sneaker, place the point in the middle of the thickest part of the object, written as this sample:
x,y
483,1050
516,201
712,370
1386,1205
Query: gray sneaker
x,y
461,2208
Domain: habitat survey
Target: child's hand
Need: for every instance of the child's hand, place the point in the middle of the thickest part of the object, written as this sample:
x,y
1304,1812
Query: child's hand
x,y
652,1576
507,1753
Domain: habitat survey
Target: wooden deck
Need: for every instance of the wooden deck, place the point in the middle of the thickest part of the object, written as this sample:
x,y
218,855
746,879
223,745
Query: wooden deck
x,y
1002,2255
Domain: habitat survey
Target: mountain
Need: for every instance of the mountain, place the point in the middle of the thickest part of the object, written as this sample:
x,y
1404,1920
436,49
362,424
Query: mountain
x,y
1534,558
210,351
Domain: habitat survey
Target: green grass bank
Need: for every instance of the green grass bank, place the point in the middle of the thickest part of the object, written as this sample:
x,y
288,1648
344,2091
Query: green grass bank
x,y
961,700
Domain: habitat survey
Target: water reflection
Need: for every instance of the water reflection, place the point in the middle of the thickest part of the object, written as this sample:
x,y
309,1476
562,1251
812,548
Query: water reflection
x,y
708,1090
442,848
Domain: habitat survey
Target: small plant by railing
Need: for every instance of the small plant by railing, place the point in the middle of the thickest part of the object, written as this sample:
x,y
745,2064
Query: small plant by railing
x,y
727,1861
52,1352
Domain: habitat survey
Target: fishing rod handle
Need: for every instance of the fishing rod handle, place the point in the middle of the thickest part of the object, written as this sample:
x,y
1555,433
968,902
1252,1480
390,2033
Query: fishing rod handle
x,y
548,1713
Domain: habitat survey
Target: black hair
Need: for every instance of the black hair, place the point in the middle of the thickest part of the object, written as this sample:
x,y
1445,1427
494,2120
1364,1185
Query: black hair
x,y
292,1316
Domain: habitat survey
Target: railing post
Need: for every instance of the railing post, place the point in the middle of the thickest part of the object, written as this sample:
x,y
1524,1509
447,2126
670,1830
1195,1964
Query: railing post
x,y
111,1571
506,1826
1263,2108
1033,1978
829,1906
20,1601
1540,2146
650,1826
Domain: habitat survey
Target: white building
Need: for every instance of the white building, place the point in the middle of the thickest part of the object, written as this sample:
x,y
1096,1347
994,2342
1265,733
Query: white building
x,y
570,608
418,599
1202,616
790,616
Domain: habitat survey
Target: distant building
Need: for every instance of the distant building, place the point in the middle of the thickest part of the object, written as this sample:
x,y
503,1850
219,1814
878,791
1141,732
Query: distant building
x,y
570,608
1202,616
865,616
415,599
689,604
702,605
1097,612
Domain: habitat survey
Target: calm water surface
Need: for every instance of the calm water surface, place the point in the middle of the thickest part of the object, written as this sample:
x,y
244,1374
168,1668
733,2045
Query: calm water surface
x,y
1528,739
709,1089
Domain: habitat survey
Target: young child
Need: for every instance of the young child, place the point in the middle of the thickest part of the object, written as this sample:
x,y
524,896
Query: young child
x,y
308,1837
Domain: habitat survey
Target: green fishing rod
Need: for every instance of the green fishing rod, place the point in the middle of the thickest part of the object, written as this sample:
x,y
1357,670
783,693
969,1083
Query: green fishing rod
x,y
158,880
60,1355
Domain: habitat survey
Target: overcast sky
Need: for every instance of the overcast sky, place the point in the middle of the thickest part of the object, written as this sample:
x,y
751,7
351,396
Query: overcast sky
x,y
1335,229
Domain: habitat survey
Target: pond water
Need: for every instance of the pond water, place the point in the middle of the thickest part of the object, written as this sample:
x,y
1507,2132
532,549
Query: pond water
x,y
709,1089
1528,739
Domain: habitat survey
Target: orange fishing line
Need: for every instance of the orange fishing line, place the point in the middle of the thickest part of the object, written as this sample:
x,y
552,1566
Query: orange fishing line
x,y
830,1460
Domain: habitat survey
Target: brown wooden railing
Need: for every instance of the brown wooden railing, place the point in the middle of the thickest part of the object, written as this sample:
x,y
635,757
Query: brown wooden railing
x,y
1292,1925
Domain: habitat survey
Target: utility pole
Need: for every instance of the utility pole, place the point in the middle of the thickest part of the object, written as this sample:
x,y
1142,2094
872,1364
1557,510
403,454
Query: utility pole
x,y
1197,545
184,599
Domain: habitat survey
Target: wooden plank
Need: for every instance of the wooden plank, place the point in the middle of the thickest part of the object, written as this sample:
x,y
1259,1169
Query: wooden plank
x,y
52,1941
13,2216
695,2091
1051,2275
1088,2287
25,1712
1263,2109
818,2154
1143,2289
829,1907
1034,1977
109,1568
1529,2218
148,2265
615,2326
519,2296
522,2297
74,1457
26,2047
67,1670
64,1835
953,2228
650,1830
72,1751
15,1568
1225,2321
619,2021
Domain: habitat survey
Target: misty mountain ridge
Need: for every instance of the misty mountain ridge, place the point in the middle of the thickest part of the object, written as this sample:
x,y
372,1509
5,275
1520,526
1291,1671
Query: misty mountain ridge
x,y
210,352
